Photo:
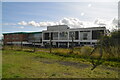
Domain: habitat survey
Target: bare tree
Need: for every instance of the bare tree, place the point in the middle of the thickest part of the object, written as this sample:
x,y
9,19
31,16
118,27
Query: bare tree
x,y
72,45
50,37
99,60
34,49
21,43
11,42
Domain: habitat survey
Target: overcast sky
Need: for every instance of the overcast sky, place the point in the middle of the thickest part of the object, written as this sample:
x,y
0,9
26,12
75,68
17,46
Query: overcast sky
x,y
35,16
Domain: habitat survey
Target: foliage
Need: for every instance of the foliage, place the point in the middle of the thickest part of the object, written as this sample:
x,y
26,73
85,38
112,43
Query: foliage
x,y
108,44
111,44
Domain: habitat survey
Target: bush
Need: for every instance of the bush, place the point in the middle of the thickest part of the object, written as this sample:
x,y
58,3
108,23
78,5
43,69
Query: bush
x,y
86,50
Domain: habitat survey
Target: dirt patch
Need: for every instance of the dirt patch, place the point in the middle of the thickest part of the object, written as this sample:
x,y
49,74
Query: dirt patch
x,y
69,63
74,64
66,63
47,62
111,68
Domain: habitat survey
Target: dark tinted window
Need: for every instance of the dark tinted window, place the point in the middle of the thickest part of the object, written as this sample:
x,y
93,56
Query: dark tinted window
x,y
76,35
46,36
96,34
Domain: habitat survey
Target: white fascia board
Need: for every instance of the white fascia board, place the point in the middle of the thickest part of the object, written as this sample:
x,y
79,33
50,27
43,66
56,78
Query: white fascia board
x,y
70,40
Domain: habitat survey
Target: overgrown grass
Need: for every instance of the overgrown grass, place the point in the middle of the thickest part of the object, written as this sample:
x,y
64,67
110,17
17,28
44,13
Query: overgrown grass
x,y
80,54
22,64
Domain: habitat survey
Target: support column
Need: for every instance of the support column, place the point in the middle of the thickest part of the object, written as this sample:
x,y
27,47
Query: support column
x,y
79,38
68,39
42,38
91,36
58,35
68,45
58,39
58,45
79,35
68,35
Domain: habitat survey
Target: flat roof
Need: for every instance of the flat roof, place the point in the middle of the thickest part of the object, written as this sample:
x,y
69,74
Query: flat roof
x,y
57,25
46,30
22,33
88,28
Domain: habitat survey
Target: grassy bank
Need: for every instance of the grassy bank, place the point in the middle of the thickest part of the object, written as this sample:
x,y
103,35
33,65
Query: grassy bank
x,y
79,54
42,64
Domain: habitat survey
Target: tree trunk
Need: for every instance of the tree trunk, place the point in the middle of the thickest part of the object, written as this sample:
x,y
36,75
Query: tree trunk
x,y
72,47
34,49
11,45
50,45
21,45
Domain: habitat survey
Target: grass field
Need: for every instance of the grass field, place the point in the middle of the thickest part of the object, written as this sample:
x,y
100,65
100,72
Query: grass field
x,y
24,64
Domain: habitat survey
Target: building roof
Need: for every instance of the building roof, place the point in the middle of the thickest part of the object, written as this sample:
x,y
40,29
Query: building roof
x,y
57,25
89,28
22,33
34,32
51,26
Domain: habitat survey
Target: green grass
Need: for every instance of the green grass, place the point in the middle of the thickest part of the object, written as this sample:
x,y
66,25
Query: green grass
x,y
23,64
78,55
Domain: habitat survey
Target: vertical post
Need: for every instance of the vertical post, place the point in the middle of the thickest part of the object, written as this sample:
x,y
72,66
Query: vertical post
x,y
91,36
72,43
3,44
79,38
101,40
68,39
50,43
58,35
11,42
21,43
34,45
68,35
68,44
72,46
58,38
95,64
42,37
79,35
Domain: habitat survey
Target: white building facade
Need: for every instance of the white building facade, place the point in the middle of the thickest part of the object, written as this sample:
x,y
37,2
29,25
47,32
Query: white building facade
x,y
61,36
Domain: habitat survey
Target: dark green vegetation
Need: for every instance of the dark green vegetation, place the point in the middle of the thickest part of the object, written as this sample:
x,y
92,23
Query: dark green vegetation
x,y
111,44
